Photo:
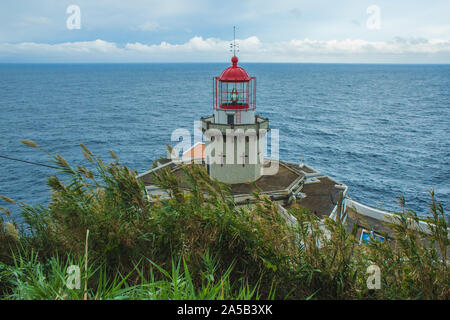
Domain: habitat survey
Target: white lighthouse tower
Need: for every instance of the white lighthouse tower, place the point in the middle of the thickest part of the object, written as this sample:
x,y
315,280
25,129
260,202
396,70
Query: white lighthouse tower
x,y
234,135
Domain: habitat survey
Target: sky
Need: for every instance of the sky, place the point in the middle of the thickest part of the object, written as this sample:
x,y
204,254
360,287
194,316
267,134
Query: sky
x,y
357,31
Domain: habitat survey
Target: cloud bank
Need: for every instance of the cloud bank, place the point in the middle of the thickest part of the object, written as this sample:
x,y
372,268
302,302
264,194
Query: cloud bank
x,y
198,49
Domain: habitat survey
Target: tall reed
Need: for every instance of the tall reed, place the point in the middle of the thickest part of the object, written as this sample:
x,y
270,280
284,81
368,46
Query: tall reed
x,y
142,246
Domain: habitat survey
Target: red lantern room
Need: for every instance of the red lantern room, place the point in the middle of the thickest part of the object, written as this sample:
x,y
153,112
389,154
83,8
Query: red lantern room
x,y
234,89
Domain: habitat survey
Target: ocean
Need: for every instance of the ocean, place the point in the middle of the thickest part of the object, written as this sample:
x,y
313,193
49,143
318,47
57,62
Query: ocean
x,y
384,130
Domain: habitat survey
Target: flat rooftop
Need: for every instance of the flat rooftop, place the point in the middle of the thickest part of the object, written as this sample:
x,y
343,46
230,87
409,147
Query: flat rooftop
x,y
286,177
313,191
321,196
282,180
368,223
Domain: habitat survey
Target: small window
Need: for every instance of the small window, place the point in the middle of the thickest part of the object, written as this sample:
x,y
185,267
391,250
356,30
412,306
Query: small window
x,y
230,118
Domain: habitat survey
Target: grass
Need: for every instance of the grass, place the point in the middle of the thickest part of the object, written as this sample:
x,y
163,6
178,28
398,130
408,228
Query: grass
x,y
30,279
199,245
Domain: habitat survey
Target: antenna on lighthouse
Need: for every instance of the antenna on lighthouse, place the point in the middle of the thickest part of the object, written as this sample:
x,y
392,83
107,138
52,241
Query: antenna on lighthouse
x,y
233,45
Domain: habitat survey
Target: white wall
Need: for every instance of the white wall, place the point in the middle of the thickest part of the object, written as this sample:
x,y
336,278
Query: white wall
x,y
247,116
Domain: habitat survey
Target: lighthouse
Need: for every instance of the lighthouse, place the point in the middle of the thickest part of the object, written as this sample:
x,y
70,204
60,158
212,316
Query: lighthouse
x,y
234,135
234,152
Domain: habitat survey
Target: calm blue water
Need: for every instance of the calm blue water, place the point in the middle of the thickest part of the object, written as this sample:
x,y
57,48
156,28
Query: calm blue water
x,y
381,129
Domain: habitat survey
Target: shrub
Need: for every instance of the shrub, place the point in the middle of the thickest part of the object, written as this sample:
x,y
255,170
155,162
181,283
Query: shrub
x,y
131,234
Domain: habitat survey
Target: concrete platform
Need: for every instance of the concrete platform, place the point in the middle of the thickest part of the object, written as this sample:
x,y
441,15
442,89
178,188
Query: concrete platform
x,y
318,194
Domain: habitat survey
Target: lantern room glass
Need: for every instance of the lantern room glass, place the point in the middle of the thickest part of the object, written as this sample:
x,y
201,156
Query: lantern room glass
x,y
234,94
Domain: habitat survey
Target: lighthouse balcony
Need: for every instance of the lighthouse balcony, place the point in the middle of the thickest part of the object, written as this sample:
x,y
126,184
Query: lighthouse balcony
x,y
259,124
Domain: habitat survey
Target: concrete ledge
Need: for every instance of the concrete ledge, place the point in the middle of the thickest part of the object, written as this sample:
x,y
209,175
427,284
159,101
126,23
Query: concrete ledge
x,y
384,216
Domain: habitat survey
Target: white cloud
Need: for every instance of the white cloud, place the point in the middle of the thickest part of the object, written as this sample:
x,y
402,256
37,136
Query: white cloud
x,y
251,50
357,46
81,47
195,45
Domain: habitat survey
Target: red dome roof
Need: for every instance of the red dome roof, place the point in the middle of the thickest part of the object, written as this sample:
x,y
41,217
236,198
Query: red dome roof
x,y
234,73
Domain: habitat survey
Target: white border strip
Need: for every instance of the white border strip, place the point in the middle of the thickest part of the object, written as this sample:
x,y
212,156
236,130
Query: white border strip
x,y
385,216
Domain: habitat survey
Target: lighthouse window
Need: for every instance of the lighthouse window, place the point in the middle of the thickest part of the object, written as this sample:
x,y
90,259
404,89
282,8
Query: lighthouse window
x,y
230,118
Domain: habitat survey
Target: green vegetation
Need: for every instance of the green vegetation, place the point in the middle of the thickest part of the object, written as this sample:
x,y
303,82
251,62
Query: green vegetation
x,y
199,245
